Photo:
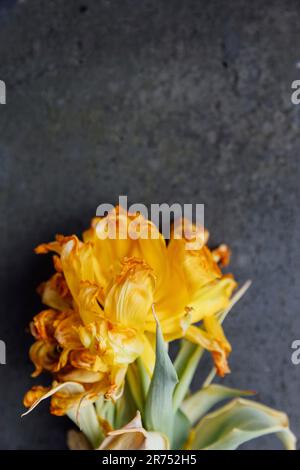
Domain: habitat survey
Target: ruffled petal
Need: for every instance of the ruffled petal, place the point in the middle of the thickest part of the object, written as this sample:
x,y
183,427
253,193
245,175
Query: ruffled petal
x,y
45,356
55,293
198,266
214,340
131,295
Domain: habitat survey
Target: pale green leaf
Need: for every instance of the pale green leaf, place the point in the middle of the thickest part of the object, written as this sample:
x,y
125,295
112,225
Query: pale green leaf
x,y
158,408
198,404
240,421
85,417
106,410
182,427
125,409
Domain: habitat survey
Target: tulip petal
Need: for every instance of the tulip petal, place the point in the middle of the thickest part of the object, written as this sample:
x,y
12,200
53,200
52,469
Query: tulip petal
x,y
212,298
134,437
69,386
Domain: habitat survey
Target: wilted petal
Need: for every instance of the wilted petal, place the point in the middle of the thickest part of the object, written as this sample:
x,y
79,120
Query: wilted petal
x,y
84,359
79,375
38,394
34,395
214,340
66,396
127,344
88,302
109,249
66,331
46,356
199,267
42,325
76,440
222,255
134,437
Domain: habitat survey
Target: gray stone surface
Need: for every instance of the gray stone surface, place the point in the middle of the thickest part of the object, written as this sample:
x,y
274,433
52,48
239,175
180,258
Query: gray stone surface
x,y
165,101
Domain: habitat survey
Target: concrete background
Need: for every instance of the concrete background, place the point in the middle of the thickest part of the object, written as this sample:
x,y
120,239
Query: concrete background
x,y
164,101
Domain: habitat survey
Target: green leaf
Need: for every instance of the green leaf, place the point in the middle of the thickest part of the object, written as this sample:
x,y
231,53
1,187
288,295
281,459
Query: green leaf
x,y
185,364
159,414
87,421
125,409
198,404
221,316
182,427
240,421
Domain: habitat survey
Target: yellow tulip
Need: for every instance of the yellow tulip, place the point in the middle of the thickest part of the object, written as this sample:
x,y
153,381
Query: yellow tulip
x,y
100,300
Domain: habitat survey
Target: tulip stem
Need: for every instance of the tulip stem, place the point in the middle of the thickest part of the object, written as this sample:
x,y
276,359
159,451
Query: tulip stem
x,y
238,295
144,377
186,373
134,384
210,377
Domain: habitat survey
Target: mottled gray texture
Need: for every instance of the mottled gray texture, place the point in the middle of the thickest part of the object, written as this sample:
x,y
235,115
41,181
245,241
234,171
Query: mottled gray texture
x,y
165,101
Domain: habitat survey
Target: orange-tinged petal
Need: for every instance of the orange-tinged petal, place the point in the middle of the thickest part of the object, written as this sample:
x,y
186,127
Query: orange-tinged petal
x,y
79,375
222,255
55,246
94,336
108,249
42,325
88,300
66,398
66,331
126,344
55,293
46,356
84,359
198,266
68,390
212,339
34,394
215,329
57,263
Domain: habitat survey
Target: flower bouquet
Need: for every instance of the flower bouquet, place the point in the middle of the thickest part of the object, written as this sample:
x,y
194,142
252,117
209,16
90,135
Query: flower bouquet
x,y
113,308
